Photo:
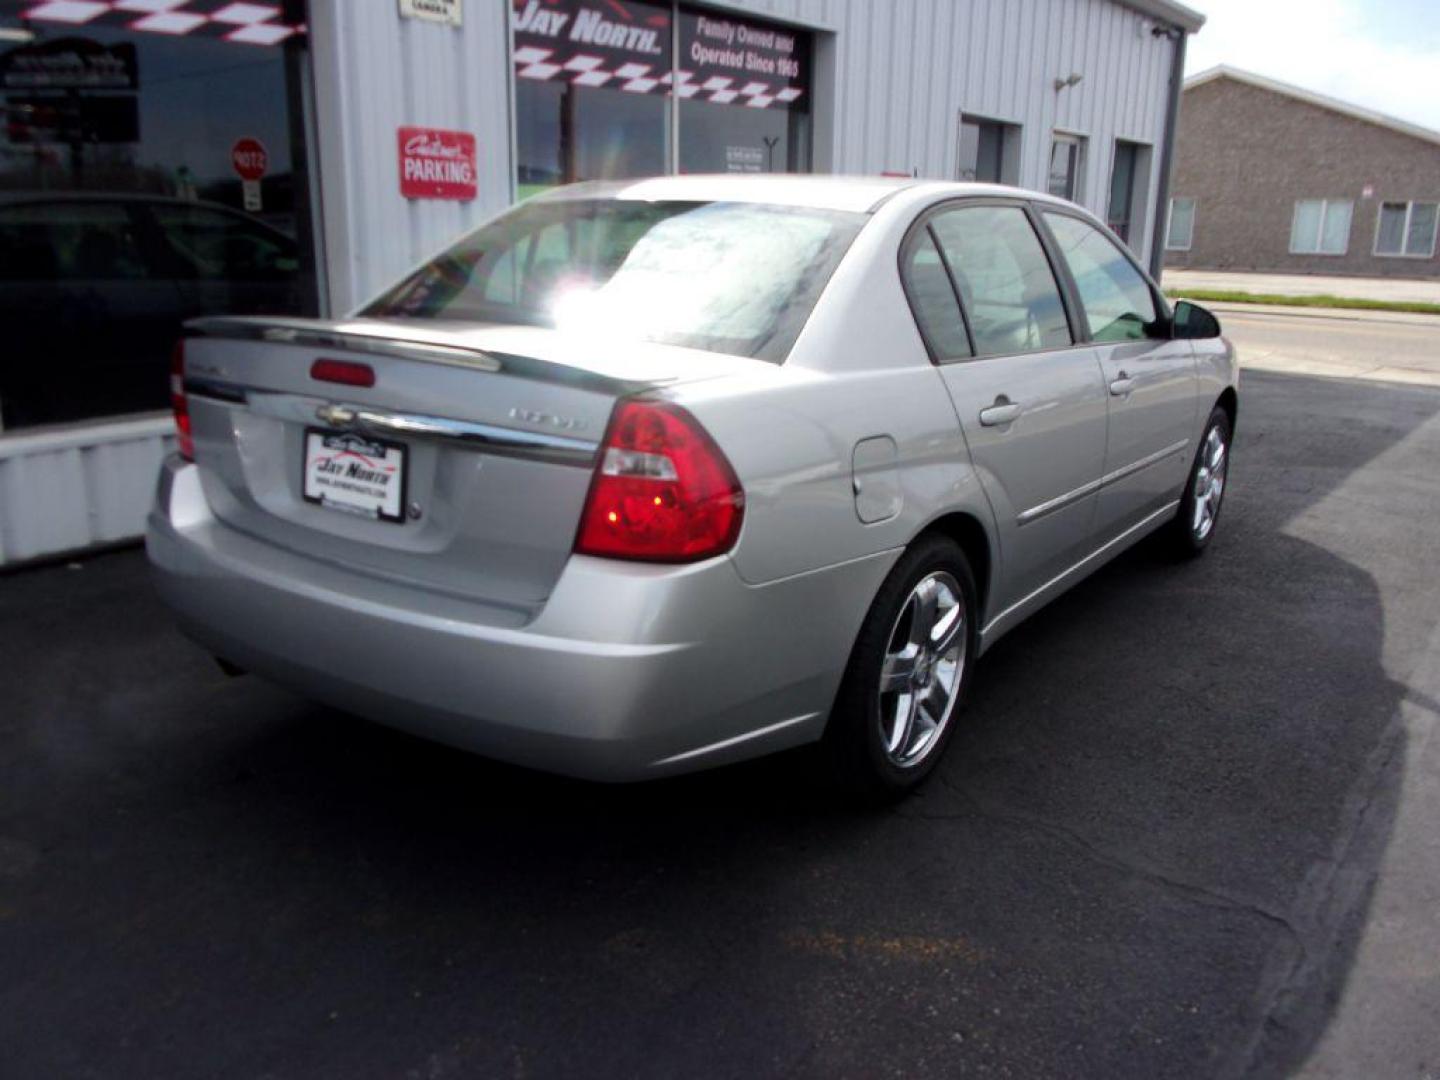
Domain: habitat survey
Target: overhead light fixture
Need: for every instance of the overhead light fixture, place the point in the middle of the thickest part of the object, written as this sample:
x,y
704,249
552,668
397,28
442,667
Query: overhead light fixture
x,y
17,33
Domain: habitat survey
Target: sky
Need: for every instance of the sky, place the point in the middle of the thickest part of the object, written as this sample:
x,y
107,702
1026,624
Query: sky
x,y
1381,54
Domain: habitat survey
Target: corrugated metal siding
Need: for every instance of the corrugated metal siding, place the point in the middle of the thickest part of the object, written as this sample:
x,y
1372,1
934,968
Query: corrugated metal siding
x,y
374,73
74,488
905,69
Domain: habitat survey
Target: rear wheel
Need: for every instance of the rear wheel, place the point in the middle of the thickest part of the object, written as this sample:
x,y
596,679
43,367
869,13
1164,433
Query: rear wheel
x,y
1199,511
908,673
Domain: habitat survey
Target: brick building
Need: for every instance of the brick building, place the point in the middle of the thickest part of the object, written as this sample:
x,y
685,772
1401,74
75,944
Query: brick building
x,y
1270,177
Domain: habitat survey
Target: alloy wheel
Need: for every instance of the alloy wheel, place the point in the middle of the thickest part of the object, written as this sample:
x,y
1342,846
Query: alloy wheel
x,y
920,673
1209,484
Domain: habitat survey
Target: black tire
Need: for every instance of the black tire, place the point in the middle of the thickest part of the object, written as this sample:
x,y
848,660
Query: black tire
x,y
1186,537
855,748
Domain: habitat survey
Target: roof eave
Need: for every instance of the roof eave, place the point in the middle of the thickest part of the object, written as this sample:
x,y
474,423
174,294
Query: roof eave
x,y
1170,12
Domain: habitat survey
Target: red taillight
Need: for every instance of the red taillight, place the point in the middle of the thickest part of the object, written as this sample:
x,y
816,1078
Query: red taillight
x,y
345,372
662,492
184,440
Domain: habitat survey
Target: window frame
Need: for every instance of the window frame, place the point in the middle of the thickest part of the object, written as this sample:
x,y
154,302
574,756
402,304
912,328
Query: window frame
x,y
1170,221
1324,201
1081,142
1079,335
1012,146
1409,205
1164,315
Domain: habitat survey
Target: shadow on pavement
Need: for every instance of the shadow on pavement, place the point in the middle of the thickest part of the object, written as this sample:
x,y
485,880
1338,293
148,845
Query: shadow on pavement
x,y
1148,852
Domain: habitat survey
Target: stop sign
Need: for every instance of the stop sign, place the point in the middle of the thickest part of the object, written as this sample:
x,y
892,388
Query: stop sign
x,y
248,158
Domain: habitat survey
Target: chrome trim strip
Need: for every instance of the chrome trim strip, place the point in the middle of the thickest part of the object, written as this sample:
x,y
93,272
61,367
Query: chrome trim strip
x,y
1168,508
217,389
1061,501
510,442
725,744
487,438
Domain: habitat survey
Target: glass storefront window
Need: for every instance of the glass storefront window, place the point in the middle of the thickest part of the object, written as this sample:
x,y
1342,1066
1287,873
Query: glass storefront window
x,y
743,105
122,210
603,86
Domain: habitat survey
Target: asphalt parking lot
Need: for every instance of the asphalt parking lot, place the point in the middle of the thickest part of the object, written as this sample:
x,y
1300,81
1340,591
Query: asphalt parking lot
x,y
1159,846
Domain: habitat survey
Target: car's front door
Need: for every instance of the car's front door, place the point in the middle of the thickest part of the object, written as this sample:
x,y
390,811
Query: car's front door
x,y
1150,378
1031,401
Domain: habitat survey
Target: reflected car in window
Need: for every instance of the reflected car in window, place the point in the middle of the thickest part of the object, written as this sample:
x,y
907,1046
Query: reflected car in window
x,y
644,477
117,275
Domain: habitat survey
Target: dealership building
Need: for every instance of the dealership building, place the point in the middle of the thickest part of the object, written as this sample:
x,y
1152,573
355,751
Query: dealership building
x,y
165,159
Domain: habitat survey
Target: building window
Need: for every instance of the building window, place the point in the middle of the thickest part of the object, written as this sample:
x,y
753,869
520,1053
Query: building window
x,y
989,151
609,89
1126,181
1321,227
146,178
1181,232
1406,229
1067,166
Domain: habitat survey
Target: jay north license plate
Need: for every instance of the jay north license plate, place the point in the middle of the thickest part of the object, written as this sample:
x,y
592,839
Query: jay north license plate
x,y
355,474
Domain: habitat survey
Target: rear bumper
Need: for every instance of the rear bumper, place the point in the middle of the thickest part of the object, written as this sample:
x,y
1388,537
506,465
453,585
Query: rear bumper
x,y
628,672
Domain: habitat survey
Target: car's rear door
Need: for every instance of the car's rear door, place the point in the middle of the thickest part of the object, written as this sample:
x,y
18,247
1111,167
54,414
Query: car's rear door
x,y
1030,398
1150,378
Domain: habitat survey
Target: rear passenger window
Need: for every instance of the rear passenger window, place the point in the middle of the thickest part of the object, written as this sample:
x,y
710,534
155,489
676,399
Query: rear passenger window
x,y
933,299
1005,281
1118,303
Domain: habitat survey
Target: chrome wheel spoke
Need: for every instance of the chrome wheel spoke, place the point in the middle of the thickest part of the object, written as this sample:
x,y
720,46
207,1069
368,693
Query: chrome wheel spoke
x,y
902,724
923,600
898,672
948,628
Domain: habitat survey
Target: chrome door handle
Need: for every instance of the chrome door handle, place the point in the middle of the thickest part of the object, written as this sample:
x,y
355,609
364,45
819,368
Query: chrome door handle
x,y
1122,385
1002,412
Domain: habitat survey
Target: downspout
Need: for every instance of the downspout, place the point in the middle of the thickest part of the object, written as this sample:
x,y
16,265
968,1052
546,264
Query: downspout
x,y
1167,152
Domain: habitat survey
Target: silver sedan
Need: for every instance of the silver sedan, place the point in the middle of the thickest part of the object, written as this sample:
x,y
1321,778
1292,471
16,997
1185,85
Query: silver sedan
x,y
645,477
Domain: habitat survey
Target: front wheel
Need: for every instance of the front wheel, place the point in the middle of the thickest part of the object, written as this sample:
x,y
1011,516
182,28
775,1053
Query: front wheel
x,y
907,674
1199,511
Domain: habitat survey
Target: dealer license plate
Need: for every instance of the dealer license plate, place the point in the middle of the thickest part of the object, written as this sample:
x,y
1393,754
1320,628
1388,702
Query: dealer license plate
x,y
355,474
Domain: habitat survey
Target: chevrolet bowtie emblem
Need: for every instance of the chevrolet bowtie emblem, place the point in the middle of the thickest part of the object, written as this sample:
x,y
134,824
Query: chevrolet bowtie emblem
x,y
335,415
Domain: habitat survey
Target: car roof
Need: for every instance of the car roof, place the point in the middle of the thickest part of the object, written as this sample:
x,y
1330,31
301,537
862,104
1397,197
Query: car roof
x,y
857,194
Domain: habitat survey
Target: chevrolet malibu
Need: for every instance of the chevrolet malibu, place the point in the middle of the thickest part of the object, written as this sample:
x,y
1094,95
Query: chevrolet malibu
x,y
646,477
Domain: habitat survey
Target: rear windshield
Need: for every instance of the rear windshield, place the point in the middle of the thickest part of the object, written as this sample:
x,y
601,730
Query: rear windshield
x,y
736,278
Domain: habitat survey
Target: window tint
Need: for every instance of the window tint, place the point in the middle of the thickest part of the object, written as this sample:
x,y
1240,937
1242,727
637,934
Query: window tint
x,y
1004,279
737,278
933,299
214,246
69,241
1406,229
1117,301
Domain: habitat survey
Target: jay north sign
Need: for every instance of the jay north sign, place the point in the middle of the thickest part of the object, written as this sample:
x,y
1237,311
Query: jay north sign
x,y
610,29
627,46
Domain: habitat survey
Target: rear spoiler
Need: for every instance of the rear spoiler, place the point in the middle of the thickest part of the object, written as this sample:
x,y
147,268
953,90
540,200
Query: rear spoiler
x,y
389,339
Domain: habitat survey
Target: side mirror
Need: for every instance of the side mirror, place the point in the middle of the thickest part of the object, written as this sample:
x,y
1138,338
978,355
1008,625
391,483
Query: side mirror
x,y
1193,322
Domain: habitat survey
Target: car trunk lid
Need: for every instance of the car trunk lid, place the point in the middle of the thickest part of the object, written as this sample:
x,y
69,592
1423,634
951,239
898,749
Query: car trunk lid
x,y
462,469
